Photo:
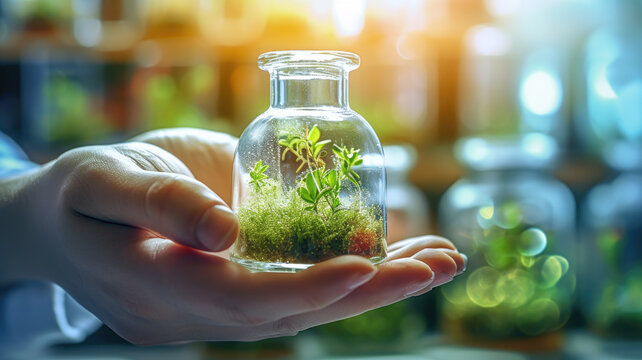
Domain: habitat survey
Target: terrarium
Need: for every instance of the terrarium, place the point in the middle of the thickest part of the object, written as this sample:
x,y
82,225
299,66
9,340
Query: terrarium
x,y
516,225
309,178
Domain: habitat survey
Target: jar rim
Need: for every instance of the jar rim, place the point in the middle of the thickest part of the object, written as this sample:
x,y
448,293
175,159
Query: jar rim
x,y
302,58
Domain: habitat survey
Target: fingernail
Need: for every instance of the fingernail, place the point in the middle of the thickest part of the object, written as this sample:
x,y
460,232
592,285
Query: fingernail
x,y
419,285
465,263
215,227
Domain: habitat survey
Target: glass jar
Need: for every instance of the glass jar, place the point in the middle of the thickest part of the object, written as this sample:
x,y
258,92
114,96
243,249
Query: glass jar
x,y
513,84
516,225
309,178
611,287
408,209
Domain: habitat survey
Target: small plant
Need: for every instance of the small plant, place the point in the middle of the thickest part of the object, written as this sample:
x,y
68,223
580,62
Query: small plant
x,y
309,222
258,175
349,158
308,149
321,183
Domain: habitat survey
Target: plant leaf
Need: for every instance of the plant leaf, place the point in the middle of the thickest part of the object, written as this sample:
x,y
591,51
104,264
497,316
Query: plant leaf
x,y
324,192
353,180
311,185
314,134
305,195
331,178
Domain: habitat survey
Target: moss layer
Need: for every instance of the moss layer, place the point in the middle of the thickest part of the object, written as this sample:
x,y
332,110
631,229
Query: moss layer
x,y
277,227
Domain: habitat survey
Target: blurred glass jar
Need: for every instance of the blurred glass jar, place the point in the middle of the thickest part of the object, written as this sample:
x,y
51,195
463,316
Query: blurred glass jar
x,y
512,85
611,118
515,222
407,208
611,288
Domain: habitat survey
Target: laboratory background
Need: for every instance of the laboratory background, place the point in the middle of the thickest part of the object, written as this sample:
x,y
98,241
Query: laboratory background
x,y
511,127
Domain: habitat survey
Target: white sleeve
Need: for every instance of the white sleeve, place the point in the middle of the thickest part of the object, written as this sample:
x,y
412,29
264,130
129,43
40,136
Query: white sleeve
x,y
34,315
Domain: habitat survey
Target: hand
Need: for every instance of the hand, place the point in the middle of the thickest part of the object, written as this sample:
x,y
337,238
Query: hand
x,y
135,233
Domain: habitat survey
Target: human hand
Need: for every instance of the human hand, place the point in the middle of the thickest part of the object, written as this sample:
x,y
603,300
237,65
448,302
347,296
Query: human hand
x,y
132,232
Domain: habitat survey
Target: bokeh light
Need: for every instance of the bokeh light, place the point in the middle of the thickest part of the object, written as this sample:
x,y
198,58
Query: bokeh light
x,y
541,92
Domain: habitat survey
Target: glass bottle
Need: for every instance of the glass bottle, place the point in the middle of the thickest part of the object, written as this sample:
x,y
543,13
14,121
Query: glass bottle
x,y
611,288
408,210
309,178
509,214
516,223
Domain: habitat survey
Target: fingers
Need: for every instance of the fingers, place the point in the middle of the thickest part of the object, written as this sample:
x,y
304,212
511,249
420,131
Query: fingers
x,y
231,295
393,281
429,245
426,241
173,205
282,295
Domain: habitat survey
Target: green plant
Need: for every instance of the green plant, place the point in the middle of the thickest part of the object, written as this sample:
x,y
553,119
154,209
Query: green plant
x,y
307,149
309,223
321,183
349,158
258,175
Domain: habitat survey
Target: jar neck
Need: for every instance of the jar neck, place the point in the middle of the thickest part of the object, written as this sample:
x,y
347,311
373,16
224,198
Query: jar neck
x,y
308,87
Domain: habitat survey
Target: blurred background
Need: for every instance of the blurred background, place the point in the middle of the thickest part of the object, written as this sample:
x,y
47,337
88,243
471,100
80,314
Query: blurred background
x,y
512,127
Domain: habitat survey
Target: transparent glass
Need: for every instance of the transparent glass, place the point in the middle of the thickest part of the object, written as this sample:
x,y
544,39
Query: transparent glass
x,y
611,290
517,228
611,122
309,177
513,97
408,208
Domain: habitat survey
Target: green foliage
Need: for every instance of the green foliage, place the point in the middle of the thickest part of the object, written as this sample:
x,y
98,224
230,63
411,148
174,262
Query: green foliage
x,y
321,183
308,223
348,158
277,227
307,149
257,175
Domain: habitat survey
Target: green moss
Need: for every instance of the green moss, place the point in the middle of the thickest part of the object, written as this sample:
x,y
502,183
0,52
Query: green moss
x,y
276,226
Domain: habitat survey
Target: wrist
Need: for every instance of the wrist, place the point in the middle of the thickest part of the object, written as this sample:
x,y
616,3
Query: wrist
x,y
22,256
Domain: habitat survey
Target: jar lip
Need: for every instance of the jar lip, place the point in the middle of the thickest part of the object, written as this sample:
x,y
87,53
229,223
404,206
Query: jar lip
x,y
300,58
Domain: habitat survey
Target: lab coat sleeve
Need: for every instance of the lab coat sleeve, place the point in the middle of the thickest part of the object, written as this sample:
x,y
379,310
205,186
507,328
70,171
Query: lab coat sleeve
x,y
34,315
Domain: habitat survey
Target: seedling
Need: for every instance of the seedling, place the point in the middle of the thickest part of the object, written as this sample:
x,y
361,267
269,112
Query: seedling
x,y
312,221
258,175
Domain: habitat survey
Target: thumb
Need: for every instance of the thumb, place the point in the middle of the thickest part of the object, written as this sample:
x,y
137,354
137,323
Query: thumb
x,y
173,205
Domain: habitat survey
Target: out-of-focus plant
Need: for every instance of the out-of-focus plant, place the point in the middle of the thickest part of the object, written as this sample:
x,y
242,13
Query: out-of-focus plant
x,y
516,285
71,114
386,329
181,97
